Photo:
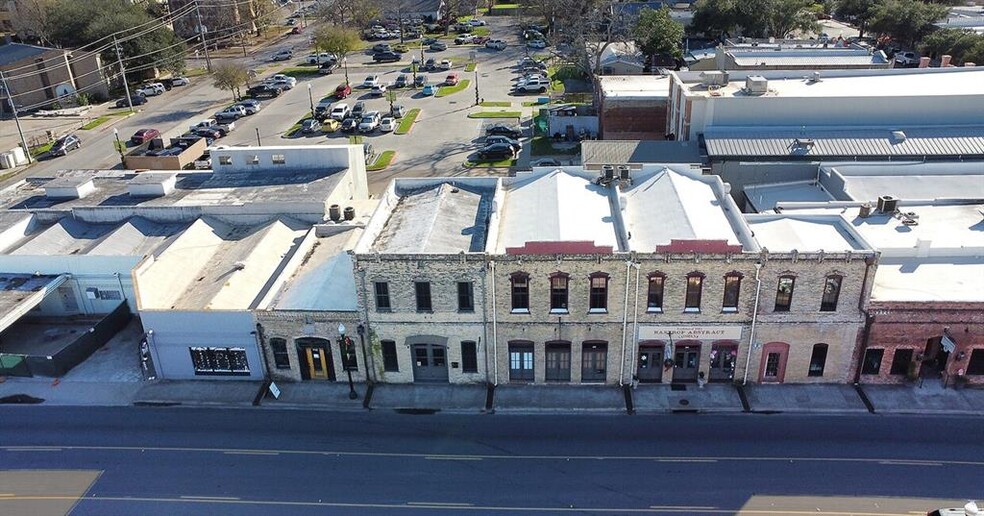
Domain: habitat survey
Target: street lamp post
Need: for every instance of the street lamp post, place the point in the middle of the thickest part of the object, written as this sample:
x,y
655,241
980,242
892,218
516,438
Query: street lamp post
x,y
119,146
345,63
310,99
347,357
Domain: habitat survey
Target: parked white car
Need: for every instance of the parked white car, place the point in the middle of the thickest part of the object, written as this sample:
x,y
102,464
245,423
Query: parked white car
x,y
378,90
369,122
282,55
387,124
495,44
286,81
445,64
475,22
149,90
531,84
370,81
180,81
323,57
340,111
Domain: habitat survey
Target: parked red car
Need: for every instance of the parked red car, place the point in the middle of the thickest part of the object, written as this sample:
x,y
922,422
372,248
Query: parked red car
x,y
144,135
451,79
342,91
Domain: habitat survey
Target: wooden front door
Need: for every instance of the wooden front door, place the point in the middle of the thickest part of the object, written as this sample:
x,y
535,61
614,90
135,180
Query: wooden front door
x,y
315,358
594,362
650,367
686,360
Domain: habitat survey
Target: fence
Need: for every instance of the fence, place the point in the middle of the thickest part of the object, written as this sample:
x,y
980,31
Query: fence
x,y
72,354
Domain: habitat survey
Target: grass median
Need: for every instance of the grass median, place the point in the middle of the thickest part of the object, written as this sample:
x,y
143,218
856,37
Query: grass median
x,y
495,114
406,123
495,103
470,67
95,123
444,91
382,161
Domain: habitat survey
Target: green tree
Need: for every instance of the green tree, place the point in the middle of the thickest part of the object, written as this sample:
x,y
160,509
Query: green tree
x,y
715,18
957,43
858,12
784,17
754,18
230,77
906,21
656,33
339,41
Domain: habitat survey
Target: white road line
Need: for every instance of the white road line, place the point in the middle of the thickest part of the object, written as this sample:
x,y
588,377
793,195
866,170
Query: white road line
x,y
686,460
443,457
210,498
909,463
27,449
442,504
251,453
683,507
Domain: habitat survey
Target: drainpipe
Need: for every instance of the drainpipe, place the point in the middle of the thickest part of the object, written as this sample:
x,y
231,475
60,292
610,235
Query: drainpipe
x,y
258,334
868,318
485,321
495,335
371,365
625,323
755,311
635,316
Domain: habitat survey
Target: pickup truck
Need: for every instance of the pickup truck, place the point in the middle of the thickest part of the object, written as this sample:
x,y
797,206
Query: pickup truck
x,y
211,123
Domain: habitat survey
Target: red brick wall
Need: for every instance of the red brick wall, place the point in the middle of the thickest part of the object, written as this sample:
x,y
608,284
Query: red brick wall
x,y
900,325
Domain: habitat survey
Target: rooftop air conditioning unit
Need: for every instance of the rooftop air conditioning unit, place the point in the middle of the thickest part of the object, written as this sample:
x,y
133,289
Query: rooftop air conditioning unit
x,y
887,204
607,173
623,173
713,78
756,85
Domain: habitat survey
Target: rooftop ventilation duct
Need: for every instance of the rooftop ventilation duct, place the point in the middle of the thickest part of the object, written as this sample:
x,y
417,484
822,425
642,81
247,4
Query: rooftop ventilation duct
x,y
152,184
714,78
756,85
69,188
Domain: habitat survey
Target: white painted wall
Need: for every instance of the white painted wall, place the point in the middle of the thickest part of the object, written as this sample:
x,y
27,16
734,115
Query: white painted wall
x,y
175,332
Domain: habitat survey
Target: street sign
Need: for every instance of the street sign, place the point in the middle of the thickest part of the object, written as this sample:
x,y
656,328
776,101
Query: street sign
x,y
274,391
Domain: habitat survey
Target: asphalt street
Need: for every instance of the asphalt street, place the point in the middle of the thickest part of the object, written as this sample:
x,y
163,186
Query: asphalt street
x,y
230,461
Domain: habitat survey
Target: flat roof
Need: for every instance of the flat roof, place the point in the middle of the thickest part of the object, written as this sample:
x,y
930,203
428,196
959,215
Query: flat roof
x,y
135,236
764,197
634,86
438,218
632,152
325,279
950,280
808,57
17,294
916,180
799,142
670,206
804,233
902,82
193,188
555,206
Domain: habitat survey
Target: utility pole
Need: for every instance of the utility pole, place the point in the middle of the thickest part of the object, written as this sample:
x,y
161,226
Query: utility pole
x,y
13,108
201,32
119,59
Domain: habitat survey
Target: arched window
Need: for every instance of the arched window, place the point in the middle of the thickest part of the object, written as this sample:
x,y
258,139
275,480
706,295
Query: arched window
x,y
831,291
598,294
559,282
520,292
695,287
818,360
732,289
654,296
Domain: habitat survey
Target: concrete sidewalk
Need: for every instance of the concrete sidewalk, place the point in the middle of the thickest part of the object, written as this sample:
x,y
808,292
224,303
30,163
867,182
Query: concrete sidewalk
x,y
929,399
571,399
804,398
316,395
422,397
688,398
198,393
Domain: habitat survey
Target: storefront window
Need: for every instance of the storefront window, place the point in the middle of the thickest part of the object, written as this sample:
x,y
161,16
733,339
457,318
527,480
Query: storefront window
x,y
872,361
219,361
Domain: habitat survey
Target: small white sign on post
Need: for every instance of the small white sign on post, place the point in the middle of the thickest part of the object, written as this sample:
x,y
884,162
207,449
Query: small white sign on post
x,y
274,391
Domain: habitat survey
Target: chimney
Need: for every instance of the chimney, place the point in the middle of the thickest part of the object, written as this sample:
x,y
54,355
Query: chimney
x,y
945,61
923,62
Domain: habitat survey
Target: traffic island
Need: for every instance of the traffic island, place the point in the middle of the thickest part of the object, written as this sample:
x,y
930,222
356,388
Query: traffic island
x,y
382,161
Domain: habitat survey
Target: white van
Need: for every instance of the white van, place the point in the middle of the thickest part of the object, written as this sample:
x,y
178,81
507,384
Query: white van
x,y
150,89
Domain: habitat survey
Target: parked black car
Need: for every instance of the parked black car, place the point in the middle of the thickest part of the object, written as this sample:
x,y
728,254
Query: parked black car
x,y
401,81
136,100
349,125
497,151
429,65
64,144
264,90
384,57
504,130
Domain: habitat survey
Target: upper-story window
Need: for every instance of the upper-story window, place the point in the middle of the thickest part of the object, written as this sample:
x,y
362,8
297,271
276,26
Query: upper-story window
x,y
784,293
654,295
732,290
695,286
831,291
466,297
558,292
422,289
598,302
520,287
382,296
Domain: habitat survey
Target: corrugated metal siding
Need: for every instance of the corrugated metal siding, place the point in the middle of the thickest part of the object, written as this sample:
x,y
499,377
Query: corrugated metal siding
x,y
918,142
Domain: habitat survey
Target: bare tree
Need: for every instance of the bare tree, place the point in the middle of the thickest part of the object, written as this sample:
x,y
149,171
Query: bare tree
x,y
32,19
349,13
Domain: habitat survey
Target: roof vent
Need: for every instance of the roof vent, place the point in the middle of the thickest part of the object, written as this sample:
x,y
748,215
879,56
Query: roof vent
x,y
71,187
813,78
239,266
756,85
152,184
713,78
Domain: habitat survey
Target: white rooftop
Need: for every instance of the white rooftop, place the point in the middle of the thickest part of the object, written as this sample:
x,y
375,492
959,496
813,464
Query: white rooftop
x,y
763,198
917,180
325,279
634,86
555,206
808,57
805,233
672,205
918,279
439,218
914,82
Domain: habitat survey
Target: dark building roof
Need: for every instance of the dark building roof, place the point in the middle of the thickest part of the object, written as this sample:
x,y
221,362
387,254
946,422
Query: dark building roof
x,y
13,52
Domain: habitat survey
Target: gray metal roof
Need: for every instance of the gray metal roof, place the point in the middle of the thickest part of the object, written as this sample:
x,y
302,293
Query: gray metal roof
x,y
822,143
625,152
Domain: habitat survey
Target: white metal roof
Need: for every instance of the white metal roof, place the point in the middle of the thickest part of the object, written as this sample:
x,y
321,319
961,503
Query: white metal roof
x,y
804,233
441,218
326,280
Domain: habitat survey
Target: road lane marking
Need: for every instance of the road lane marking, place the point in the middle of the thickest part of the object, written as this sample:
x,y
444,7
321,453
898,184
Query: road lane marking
x,y
451,457
876,461
215,498
252,453
909,463
683,507
686,460
443,504
7,494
